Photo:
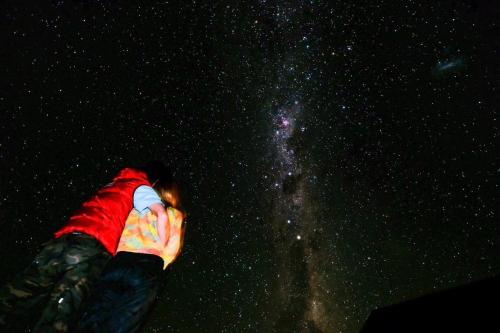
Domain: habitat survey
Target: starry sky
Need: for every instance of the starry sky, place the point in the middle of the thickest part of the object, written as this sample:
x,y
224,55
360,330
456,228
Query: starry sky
x,y
336,156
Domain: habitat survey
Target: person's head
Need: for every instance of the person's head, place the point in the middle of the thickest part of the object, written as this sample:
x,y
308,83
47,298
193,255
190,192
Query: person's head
x,y
163,181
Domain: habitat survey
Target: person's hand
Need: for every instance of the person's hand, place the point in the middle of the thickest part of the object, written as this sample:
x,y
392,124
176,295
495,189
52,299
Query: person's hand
x,y
162,223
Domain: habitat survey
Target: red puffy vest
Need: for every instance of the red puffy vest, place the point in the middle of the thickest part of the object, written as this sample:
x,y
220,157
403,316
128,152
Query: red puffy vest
x,y
103,216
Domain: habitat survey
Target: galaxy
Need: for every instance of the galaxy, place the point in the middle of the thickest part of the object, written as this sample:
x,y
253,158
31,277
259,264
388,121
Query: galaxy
x,y
335,156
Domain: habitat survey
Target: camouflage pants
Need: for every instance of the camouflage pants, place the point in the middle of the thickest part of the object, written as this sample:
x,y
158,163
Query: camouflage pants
x,y
55,283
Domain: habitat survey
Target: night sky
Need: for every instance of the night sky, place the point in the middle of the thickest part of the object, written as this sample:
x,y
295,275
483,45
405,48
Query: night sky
x,y
336,156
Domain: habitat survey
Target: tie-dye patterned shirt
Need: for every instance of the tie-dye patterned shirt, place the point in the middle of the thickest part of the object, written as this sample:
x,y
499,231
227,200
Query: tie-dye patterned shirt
x,y
140,235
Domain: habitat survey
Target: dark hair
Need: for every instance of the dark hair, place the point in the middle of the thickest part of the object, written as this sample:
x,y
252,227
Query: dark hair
x,y
161,178
159,175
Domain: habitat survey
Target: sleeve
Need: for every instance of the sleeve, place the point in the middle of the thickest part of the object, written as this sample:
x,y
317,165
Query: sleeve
x,y
145,196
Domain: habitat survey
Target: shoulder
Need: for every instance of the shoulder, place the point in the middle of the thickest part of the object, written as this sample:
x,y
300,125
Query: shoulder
x,y
145,190
145,196
131,174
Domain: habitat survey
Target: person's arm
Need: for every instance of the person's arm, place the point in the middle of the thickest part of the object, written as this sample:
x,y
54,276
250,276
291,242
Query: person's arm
x,y
163,225
146,198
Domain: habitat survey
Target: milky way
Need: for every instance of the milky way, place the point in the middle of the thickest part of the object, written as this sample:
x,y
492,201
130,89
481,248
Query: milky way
x,y
302,292
294,226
